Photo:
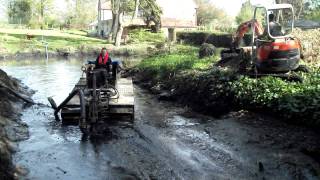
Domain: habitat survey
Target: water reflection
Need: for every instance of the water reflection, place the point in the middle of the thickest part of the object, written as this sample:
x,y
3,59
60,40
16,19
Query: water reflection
x,y
60,150
48,78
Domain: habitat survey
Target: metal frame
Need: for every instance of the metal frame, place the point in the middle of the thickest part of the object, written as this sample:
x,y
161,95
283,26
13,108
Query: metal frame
x,y
267,9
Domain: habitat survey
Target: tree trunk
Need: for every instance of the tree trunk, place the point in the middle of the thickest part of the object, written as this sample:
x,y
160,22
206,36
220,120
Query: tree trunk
x,y
115,19
157,27
300,10
120,30
136,9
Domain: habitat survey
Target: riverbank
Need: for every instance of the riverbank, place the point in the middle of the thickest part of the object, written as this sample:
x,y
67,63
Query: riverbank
x,y
14,97
180,75
24,43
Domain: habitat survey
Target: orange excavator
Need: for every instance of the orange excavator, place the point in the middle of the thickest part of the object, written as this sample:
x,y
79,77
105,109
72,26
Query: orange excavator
x,y
273,51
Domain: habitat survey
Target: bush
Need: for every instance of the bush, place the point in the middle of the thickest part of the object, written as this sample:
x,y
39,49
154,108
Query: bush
x,y
180,59
218,40
142,35
296,101
217,90
206,50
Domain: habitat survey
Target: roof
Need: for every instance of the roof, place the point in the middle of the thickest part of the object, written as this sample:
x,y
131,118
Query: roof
x,y
177,23
306,24
137,22
276,6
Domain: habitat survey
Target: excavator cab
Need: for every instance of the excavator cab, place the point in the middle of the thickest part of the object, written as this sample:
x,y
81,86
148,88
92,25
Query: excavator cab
x,y
275,51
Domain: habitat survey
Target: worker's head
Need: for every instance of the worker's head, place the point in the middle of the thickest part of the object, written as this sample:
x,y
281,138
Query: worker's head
x,y
103,51
271,17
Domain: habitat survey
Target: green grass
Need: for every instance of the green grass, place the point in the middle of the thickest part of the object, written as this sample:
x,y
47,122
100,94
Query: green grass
x,y
142,35
14,40
181,58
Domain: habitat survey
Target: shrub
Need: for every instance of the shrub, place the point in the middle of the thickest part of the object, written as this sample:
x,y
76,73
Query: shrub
x,y
218,90
296,101
142,35
206,50
218,40
182,58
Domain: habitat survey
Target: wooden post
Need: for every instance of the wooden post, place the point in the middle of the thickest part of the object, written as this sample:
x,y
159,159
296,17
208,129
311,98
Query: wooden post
x,y
99,19
172,35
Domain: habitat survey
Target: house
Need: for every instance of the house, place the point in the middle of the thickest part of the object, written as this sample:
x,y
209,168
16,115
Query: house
x,y
104,22
176,14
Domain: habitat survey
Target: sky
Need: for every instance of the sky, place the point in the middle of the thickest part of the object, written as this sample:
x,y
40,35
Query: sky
x,y
232,7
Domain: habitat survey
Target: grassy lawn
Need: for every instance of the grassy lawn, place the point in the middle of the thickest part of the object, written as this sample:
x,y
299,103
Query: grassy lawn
x,y
15,40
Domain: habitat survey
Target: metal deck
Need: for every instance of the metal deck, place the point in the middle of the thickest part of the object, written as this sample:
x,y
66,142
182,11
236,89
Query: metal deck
x,y
123,106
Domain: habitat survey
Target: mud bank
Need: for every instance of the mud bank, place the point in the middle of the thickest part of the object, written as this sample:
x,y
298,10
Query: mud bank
x,y
13,98
204,92
218,91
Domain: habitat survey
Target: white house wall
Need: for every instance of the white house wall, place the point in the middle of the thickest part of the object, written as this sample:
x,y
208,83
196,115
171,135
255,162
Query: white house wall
x,y
106,15
178,9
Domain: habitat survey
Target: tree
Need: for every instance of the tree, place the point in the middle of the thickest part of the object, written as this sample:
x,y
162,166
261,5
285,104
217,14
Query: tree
x,y
312,10
85,12
300,6
207,13
42,9
19,11
246,12
151,13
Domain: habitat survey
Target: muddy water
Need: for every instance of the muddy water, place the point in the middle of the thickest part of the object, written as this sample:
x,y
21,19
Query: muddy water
x,y
166,141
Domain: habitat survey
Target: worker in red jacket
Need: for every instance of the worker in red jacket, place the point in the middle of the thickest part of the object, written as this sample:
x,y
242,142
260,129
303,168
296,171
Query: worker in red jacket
x,y
103,60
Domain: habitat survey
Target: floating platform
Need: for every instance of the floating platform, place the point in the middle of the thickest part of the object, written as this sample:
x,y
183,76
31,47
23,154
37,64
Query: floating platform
x,y
123,106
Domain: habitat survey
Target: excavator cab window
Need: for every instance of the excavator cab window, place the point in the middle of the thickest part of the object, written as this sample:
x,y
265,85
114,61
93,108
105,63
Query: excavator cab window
x,y
280,22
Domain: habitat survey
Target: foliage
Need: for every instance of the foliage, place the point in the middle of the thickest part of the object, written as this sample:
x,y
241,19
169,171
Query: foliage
x,y
151,12
19,12
217,39
313,14
246,12
298,101
298,5
206,50
142,35
219,89
42,9
207,13
180,59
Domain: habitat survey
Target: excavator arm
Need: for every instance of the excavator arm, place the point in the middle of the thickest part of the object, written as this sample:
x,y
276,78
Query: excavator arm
x,y
243,29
